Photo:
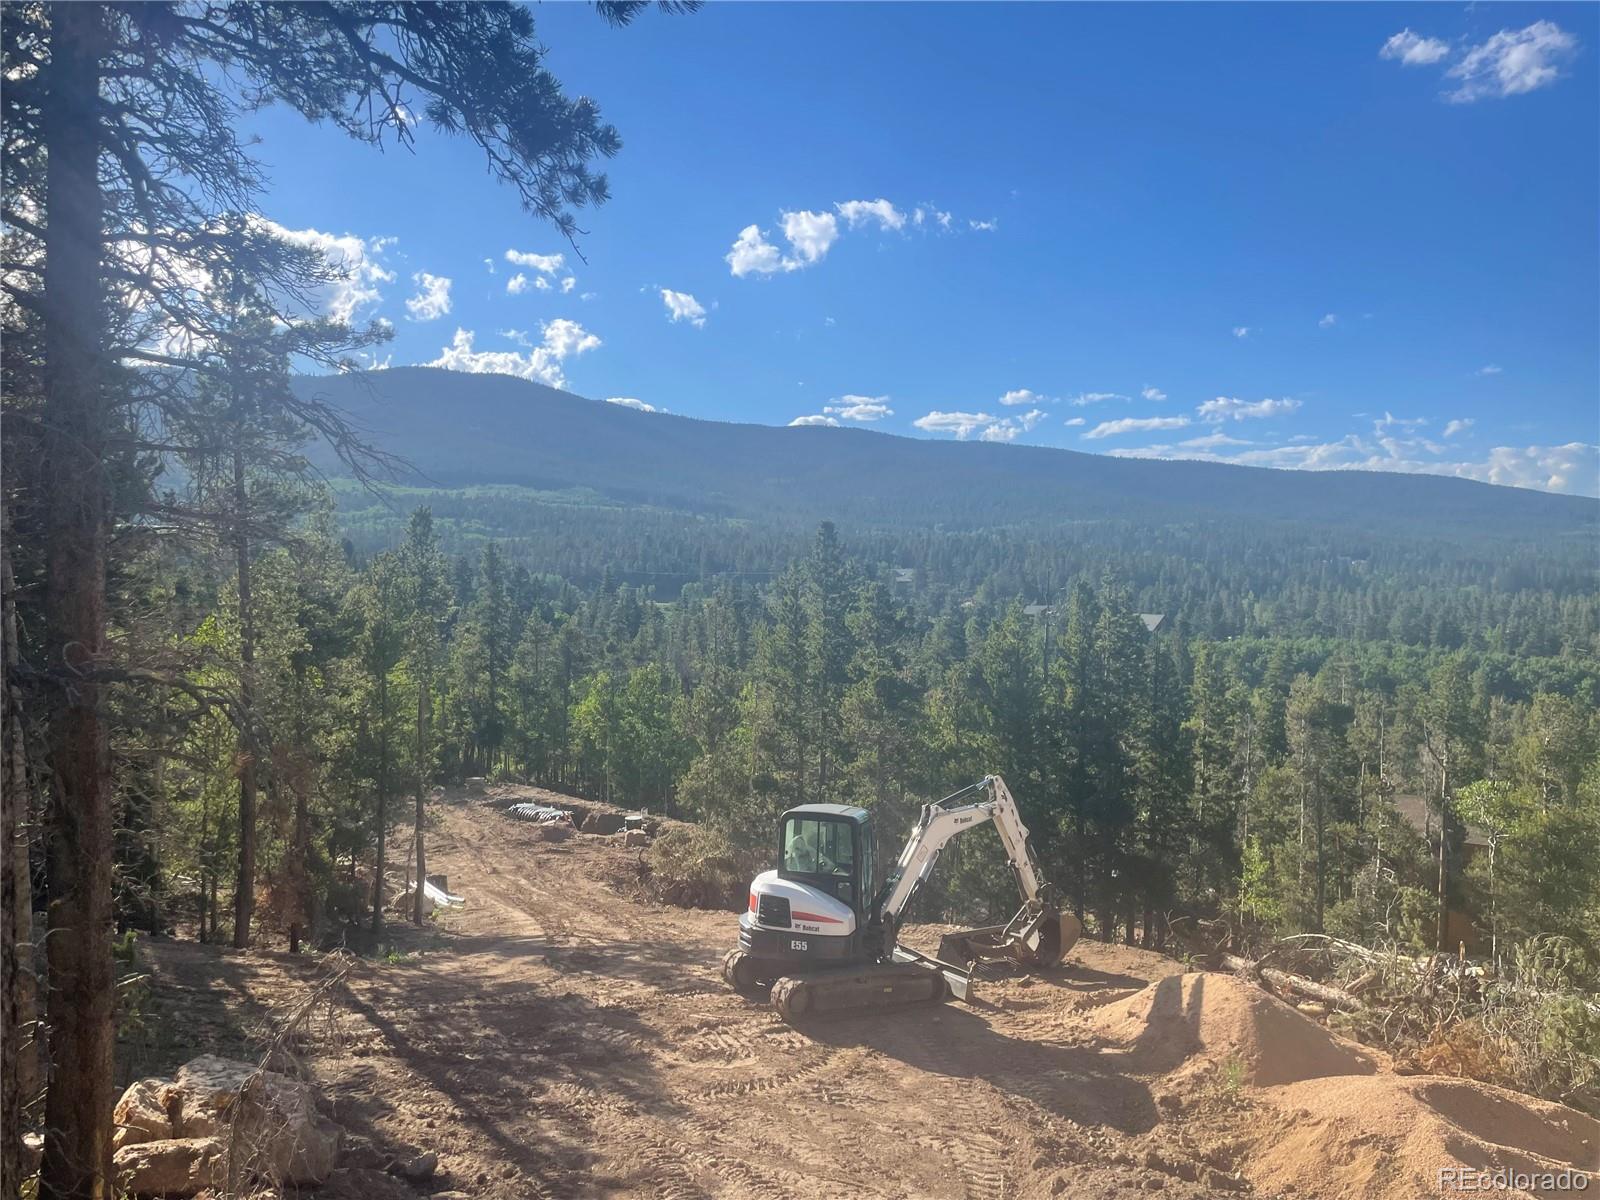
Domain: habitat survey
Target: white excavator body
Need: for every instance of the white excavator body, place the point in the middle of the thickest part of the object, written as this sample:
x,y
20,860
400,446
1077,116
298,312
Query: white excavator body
x,y
822,933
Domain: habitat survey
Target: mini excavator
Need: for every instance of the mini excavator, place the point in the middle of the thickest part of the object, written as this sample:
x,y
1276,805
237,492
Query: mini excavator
x,y
823,938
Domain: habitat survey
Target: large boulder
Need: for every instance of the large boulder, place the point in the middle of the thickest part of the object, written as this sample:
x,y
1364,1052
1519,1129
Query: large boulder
x,y
142,1115
171,1167
267,1117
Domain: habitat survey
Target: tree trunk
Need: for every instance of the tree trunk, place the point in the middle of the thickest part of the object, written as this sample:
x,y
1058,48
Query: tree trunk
x,y
81,981
19,1073
302,832
383,802
244,891
418,912
1444,853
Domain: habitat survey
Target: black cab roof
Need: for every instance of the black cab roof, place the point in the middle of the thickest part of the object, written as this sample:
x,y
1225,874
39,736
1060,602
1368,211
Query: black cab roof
x,y
848,812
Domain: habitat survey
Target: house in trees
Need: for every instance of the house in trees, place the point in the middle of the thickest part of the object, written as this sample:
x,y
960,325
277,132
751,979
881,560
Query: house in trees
x,y
1421,816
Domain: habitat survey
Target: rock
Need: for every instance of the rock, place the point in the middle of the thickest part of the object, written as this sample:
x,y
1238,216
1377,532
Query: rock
x,y
269,1117
418,1169
1219,1181
141,1115
359,1183
603,822
171,1166
553,831
635,837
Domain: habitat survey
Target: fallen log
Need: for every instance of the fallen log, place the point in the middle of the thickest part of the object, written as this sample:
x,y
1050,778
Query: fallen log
x,y
1295,984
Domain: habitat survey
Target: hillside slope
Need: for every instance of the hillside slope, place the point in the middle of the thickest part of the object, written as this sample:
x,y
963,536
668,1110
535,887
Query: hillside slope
x,y
460,430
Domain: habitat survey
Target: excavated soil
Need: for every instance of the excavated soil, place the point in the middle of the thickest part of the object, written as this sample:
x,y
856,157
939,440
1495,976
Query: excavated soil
x,y
553,1037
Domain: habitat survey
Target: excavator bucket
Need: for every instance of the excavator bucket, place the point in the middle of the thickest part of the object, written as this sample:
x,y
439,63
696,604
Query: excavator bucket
x,y
1032,940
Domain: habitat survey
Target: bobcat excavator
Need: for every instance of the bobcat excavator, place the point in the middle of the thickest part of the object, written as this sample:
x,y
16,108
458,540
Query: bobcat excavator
x,y
818,934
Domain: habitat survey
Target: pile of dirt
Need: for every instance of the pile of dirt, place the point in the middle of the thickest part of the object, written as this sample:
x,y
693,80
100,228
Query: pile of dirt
x,y
1192,1024
1387,1135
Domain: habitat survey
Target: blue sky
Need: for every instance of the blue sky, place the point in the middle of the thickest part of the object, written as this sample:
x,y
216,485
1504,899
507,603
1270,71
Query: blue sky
x,y
1298,236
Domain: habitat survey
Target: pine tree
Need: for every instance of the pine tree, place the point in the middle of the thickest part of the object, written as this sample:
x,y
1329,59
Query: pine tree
x,y
426,598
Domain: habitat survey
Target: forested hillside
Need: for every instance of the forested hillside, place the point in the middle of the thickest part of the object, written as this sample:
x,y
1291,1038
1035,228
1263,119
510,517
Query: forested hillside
x,y
460,430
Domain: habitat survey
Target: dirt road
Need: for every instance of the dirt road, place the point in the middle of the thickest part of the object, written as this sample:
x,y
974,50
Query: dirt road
x,y
554,1038
575,1043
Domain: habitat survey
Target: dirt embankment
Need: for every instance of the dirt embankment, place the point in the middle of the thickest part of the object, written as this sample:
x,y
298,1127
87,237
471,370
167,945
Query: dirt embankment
x,y
554,1037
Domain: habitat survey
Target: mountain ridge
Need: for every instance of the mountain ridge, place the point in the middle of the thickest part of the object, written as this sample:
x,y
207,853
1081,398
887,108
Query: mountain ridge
x,y
457,429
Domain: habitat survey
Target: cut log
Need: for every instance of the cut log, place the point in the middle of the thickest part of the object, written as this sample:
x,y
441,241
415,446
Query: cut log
x,y
1295,984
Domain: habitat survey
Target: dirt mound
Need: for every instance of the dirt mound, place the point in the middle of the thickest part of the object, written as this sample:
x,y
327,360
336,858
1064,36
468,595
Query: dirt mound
x,y
1386,1135
1197,1021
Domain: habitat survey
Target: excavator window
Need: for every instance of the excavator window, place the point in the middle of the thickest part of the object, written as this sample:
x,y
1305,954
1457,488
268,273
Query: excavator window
x,y
818,847
822,848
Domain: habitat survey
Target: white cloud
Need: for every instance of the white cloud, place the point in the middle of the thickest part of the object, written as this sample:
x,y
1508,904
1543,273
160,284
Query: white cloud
x,y
1084,399
1241,331
630,402
810,234
569,283
562,339
1023,396
681,306
1135,425
1328,321
1225,408
962,424
814,419
517,284
1076,421
489,263
1153,393
1414,50
860,408
432,300
541,282
1212,440
1008,429
1512,62
984,226
545,264
1491,369
1389,421
355,259
1458,426
752,254
1572,468
855,212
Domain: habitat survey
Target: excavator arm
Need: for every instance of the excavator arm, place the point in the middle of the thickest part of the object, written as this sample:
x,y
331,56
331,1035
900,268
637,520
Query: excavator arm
x,y
942,821
1038,935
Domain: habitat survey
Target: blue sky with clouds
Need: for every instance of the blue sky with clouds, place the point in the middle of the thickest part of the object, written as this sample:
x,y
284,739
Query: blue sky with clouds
x,y
1298,236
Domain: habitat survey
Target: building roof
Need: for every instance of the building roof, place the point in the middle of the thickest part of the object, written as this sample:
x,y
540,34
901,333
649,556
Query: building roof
x,y
1416,812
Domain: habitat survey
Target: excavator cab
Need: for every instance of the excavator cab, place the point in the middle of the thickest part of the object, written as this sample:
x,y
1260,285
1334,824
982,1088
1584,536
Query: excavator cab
x,y
829,847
